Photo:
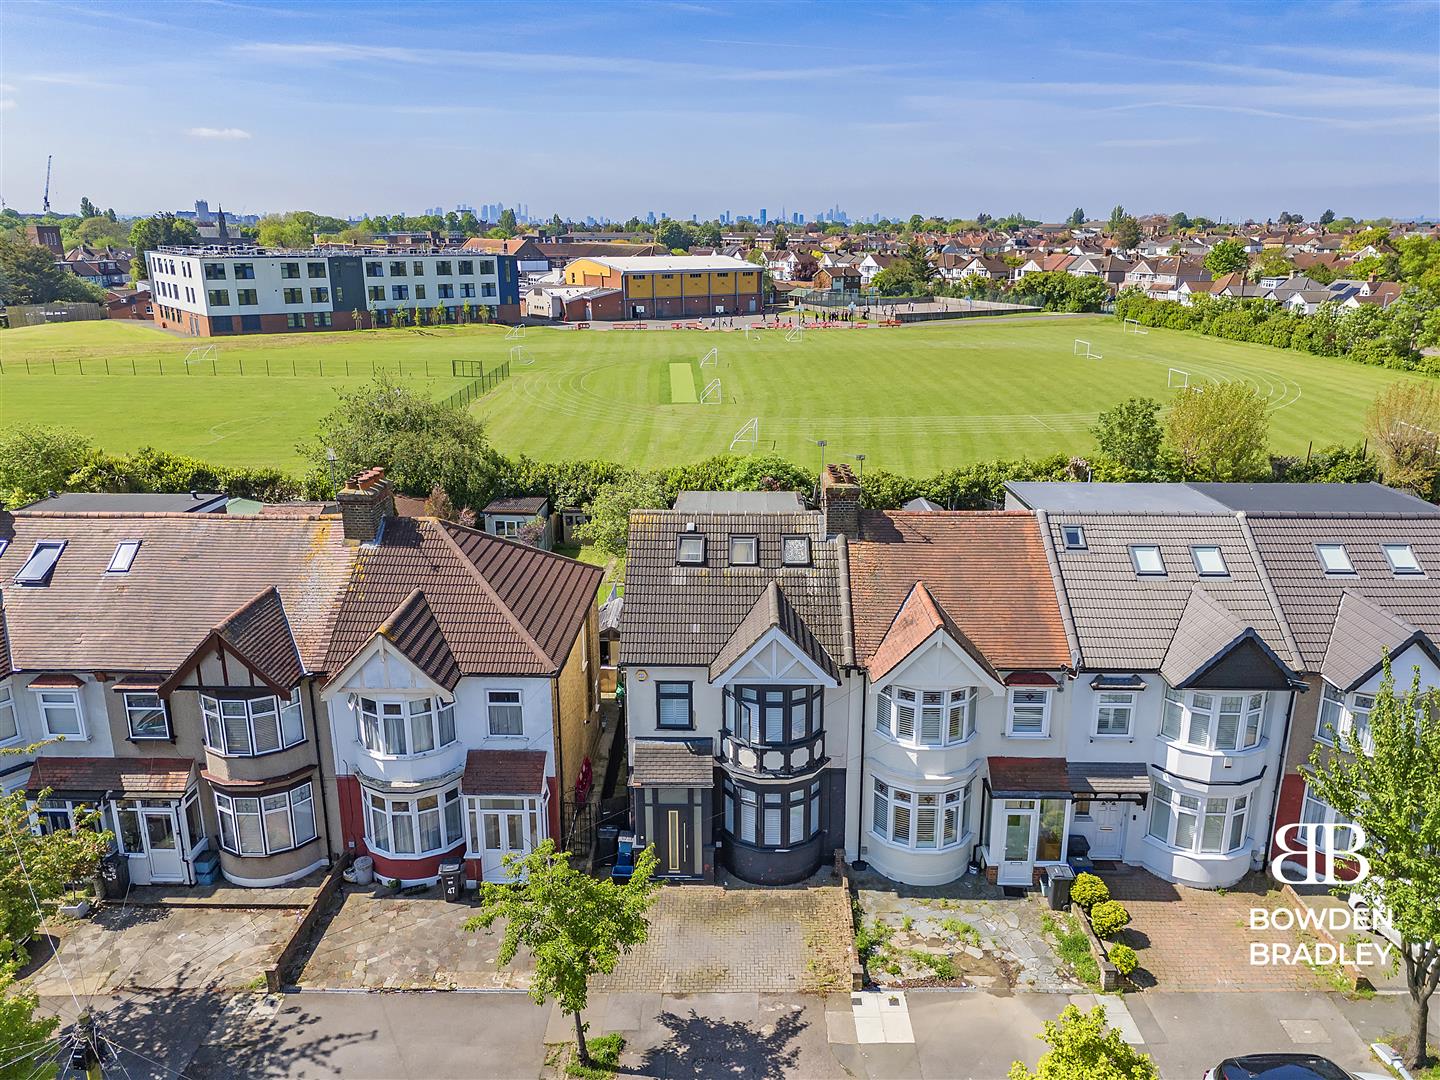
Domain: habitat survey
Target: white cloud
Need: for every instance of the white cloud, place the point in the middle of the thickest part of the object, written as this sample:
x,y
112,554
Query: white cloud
x,y
218,133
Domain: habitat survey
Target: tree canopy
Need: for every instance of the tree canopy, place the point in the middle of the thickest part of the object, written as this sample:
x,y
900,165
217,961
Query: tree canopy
x,y
29,274
609,525
146,234
1083,1048
1219,432
1226,257
1130,434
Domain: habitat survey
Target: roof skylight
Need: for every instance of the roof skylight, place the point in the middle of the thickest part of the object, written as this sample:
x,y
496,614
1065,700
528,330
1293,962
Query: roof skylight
x,y
1334,558
1147,560
124,556
41,563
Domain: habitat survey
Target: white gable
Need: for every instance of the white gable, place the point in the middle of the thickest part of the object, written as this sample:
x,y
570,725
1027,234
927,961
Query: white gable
x,y
774,659
380,666
939,662
1402,667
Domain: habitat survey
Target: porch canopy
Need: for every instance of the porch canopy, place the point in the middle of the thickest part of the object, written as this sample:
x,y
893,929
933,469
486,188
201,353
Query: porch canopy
x,y
100,778
673,763
1056,778
1128,781
504,772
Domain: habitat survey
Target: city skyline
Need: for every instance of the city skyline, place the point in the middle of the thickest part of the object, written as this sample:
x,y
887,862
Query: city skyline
x,y
1223,111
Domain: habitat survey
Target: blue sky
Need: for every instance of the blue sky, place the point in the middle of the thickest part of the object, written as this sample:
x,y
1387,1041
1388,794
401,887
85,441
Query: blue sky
x,y
1226,110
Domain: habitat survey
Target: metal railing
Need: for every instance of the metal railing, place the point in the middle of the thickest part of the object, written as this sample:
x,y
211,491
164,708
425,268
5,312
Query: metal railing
x,y
478,386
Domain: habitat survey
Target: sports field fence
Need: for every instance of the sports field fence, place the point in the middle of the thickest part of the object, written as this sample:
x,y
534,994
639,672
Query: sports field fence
x,y
236,363
478,386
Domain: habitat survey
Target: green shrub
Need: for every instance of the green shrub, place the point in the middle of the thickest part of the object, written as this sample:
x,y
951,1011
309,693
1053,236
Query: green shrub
x,y
1124,958
1109,918
1088,891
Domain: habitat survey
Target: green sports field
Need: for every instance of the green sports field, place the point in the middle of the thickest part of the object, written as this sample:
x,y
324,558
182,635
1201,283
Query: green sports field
x,y
912,399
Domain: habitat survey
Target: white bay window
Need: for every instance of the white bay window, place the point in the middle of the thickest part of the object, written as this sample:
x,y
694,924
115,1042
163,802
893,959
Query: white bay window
x,y
408,727
1343,715
415,825
924,820
1209,721
1192,823
926,717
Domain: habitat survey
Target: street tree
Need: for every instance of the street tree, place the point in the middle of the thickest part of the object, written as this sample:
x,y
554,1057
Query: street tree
x,y
1130,434
1083,1048
21,1029
29,275
1403,424
1126,233
1226,257
574,926
1219,432
1389,785
1117,215
147,234
609,525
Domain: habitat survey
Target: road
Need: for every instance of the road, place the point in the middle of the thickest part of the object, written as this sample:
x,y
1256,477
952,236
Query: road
x,y
955,1036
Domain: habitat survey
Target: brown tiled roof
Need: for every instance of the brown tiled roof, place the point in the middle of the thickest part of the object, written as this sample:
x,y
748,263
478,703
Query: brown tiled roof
x,y
413,629
516,504
772,611
191,573
57,680
919,617
1029,776
986,570
685,614
503,608
260,632
503,772
673,763
131,776
1310,598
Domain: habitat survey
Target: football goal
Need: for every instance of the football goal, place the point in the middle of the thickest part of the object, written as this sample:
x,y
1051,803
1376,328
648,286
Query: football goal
x,y
795,333
711,358
1420,438
712,395
1177,379
1132,326
748,436
201,353
1082,348
515,332
519,354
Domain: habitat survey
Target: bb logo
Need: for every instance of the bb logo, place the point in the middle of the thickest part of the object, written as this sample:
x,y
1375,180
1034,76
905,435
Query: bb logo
x,y
1303,845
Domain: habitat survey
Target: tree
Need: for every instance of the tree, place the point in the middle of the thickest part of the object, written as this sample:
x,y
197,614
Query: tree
x,y
781,239
1289,218
101,231
147,234
1130,434
1117,215
1126,233
420,442
1272,264
1377,236
1077,217
1219,432
1226,257
1083,1048
573,925
1327,217
609,525
1403,424
896,280
36,460
20,1028
1391,789
1180,220
508,222
87,208
30,275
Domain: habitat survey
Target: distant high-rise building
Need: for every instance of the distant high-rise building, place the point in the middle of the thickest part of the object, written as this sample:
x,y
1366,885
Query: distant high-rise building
x,y
764,214
650,217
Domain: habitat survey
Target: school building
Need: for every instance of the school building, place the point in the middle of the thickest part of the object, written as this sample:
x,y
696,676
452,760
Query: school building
x,y
674,286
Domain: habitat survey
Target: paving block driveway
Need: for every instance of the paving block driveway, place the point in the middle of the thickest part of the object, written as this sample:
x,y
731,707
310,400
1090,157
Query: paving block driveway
x,y
160,948
702,939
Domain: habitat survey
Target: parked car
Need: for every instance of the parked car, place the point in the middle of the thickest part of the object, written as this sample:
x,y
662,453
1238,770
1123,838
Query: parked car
x,y
1284,1067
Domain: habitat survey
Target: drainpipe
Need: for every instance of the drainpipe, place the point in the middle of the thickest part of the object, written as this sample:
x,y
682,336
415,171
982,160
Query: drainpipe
x,y
330,837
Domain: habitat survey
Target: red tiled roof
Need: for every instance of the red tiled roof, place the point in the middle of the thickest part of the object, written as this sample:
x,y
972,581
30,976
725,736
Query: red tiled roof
x,y
131,776
986,569
1029,776
413,629
503,772
57,681
919,617
260,632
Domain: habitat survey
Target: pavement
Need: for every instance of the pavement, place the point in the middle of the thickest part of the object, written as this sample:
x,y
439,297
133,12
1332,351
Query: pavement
x,y
955,1035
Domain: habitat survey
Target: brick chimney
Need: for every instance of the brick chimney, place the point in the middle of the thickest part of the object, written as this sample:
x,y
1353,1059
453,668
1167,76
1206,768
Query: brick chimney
x,y
840,501
366,500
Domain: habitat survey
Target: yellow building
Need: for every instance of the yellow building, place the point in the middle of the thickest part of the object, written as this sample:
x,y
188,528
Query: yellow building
x,y
674,286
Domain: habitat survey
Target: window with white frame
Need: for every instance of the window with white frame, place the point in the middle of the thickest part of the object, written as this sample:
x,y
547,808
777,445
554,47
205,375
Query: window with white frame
x,y
1029,714
407,727
925,820
1208,721
926,717
9,723
1344,714
145,715
266,824
503,708
61,713
252,726
1114,712
1314,811
1197,823
414,825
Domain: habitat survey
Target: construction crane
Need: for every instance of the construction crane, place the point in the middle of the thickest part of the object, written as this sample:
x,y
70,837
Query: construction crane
x,y
48,158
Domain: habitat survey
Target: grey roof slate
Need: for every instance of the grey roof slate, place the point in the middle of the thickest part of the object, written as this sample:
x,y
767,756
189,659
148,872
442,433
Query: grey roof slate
x,y
1062,497
1310,598
684,615
77,502
1316,498
772,611
673,763
1125,622
1207,630
1109,777
1363,633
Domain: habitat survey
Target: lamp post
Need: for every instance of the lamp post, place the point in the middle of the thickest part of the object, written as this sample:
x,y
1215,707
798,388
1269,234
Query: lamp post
x,y
330,458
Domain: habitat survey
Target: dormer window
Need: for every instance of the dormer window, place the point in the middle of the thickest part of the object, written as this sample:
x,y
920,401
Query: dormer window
x,y
1401,558
1073,537
1334,558
690,550
41,563
744,551
1147,561
1209,562
795,551
124,556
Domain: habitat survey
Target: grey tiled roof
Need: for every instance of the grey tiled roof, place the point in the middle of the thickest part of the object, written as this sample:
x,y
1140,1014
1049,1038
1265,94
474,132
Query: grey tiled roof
x,y
673,763
685,614
1310,598
1125,622
1363,632
1206,631
772,611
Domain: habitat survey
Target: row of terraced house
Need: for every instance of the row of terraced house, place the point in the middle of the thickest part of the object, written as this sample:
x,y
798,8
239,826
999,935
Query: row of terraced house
x,y
1137,671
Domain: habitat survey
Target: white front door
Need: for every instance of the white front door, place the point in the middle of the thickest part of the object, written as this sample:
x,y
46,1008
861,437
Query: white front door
x,y
162,843
1110,818
501,833
1017,857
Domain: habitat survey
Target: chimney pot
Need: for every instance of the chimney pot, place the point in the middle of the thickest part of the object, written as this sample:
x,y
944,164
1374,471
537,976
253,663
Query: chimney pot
x,y
365,502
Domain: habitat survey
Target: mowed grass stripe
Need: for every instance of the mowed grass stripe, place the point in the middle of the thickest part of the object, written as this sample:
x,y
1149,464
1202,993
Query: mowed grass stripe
x,y
912,399
682,384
